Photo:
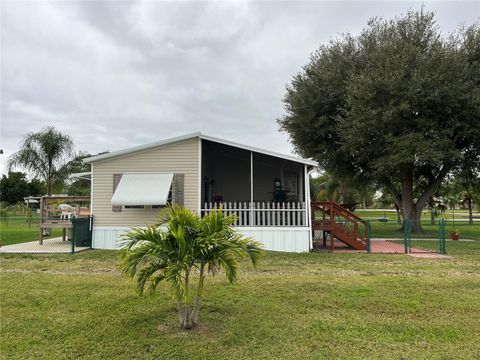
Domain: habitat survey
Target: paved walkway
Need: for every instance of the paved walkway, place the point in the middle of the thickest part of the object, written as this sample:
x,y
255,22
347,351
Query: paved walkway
x,y
53,245
386,246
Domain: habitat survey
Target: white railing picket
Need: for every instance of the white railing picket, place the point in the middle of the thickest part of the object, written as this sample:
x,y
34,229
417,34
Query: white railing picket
x,y
245,213
277,220
261,213
235,212
297,214
288,214
269,213
264,220
304,215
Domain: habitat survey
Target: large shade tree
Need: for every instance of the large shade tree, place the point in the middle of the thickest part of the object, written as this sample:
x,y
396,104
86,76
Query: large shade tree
x,y
45,154
397,106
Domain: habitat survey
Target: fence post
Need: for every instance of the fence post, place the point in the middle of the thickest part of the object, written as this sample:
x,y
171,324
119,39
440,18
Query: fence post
x,y
406,235
443,249
91,230
73,235
369,237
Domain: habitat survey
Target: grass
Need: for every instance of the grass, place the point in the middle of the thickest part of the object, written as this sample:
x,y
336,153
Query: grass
x,y
391,229
18,230
295,306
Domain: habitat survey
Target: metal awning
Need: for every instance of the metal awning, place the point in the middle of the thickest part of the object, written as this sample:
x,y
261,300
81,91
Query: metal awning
x,y
81,175
143,189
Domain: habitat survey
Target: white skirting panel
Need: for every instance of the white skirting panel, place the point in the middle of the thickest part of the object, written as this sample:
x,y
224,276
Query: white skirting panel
x,y
288,239
107,237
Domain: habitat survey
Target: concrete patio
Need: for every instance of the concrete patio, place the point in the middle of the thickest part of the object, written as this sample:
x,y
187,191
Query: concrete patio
x,y
53,245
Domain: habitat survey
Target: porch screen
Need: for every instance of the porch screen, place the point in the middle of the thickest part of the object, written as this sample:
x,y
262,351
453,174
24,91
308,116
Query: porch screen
x,y
143,189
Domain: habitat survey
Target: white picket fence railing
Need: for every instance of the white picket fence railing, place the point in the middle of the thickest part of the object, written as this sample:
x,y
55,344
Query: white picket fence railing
x,y
262,213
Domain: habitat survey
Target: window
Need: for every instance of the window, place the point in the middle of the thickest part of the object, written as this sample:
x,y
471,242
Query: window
x,y
134,206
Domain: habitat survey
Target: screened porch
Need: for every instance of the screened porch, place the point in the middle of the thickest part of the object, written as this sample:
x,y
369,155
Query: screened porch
x,y
259,189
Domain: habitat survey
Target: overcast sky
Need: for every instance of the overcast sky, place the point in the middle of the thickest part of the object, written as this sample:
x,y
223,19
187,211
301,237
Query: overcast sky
x,y
120,74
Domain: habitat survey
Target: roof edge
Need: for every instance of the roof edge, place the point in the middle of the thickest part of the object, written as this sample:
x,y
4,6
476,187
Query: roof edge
x,y
139,148
203,137
258,150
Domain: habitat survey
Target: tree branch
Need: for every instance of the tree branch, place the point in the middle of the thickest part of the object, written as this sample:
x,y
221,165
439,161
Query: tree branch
x,y
433,186
397,197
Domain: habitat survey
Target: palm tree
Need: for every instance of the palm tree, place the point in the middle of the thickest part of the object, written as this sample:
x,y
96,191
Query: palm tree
x,y
221,246
45,154
326,187
181,246
330,186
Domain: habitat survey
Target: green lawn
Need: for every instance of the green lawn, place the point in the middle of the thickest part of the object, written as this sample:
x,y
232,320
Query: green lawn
x,y
391,229
296,306
391,214
18,230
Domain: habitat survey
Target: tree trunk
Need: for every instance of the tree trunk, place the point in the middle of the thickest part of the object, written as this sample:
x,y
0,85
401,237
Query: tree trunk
x,y
415,220
187,323
196,310
470,210
198,299
409,208
48,180
181,315
187,318
399,215
431,204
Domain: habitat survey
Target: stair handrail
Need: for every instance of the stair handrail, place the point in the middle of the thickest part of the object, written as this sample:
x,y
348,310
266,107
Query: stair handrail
x,y
340,210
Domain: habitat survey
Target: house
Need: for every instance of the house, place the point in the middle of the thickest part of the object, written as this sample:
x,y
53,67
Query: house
x,y
267,191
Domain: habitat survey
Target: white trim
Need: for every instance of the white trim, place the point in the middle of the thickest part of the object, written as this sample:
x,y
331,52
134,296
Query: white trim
x,y
120,228
199,176
268,228
108,237
288,239
252,216
91,190
307,205
201,136
81,175
141,147
279,238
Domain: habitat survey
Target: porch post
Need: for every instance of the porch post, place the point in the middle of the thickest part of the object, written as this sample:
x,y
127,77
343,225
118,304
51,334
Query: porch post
x,y
251,189
308,216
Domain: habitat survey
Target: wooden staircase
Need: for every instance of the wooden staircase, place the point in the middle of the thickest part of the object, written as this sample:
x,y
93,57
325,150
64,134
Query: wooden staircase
x,y
339,223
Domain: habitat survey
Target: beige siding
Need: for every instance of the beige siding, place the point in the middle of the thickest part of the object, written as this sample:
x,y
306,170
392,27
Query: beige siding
x,y
181,157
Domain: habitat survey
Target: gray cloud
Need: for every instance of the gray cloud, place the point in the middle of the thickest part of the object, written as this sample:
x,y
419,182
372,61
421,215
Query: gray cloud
x,y
118,74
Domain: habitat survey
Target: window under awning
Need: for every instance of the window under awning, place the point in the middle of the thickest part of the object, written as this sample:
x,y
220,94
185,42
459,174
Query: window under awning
x,y
143,189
